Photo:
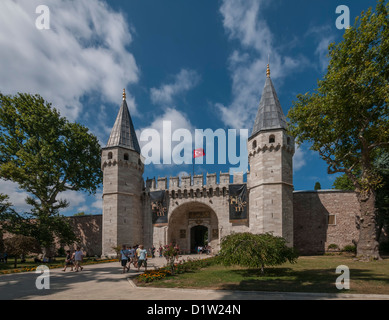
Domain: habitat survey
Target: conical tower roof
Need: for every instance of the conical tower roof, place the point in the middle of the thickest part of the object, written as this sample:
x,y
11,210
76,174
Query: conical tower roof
x,y
123,132
270,115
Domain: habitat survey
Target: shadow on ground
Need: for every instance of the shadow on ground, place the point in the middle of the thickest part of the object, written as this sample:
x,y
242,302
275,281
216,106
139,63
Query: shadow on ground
x,y
288,280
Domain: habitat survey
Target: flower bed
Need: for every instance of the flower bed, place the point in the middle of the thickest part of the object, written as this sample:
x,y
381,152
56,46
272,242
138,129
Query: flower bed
x,y
180,266
51,266
149,276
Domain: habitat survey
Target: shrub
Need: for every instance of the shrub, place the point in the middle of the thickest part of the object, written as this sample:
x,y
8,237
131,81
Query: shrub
x,y
333,246
350,248
255,250
170,253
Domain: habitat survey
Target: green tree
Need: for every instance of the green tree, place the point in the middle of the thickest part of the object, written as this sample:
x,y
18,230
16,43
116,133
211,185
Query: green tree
x,y
343,183
21,245
79,214
45,155
317,186
255,250
346,118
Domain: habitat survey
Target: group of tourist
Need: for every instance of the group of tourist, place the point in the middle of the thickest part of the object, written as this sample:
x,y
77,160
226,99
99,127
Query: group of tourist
x,y
136,255
203,249
73,260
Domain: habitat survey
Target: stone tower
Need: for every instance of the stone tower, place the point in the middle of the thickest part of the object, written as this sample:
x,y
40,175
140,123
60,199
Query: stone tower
x,y
122,185
270,180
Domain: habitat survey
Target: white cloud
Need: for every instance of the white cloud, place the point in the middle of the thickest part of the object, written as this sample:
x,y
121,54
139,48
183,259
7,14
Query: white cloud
x,y
16,196
240,19
98,203
322,52
323,36
243,21
184,81
299,159
160,139
84,52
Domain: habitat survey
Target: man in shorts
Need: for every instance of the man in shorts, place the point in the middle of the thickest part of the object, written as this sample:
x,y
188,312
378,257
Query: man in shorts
x,y
142,257
78,257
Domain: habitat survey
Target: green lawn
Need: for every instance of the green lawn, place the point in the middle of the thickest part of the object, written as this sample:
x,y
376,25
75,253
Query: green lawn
x,y
309,274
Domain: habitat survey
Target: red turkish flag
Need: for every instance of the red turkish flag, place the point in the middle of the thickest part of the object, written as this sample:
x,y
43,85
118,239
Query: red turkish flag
x,y
198,153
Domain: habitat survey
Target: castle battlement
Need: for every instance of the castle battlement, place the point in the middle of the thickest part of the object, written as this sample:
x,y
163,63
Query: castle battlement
x,y
193,210
197,182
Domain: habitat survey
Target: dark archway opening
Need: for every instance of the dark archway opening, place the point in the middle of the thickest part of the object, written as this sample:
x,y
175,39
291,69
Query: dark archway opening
x,y
198,237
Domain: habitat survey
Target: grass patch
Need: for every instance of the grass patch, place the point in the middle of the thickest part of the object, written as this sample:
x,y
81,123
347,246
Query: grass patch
x,y
309,274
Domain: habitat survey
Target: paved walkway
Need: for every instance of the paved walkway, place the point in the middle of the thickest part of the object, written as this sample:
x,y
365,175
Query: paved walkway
x,y
106,282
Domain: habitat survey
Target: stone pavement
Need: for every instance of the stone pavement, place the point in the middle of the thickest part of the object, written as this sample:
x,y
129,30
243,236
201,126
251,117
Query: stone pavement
x,y
106,282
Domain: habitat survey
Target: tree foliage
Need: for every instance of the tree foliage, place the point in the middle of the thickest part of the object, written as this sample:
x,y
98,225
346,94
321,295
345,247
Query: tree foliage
x,y
21,245
346,119
255,250
343,183
45,155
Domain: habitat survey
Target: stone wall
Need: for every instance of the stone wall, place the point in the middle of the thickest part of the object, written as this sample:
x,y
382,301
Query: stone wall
x,y
322,218
89,230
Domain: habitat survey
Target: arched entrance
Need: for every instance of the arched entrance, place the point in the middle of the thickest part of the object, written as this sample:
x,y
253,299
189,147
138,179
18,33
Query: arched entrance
x,y
198,237
192,224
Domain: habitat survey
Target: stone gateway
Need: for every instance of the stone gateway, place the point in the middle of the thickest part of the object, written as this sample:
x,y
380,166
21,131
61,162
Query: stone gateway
x,y
201,210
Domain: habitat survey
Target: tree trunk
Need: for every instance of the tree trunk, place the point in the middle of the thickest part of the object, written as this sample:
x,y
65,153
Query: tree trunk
x,y
367,245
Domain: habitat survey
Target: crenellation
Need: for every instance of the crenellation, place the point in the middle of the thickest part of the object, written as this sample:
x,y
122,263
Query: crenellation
x,y
162,183
198,180
174,183
211,179
224,178
237,178
186,182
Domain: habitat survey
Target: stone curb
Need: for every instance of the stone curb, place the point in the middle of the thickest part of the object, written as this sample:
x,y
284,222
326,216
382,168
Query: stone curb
x,y
340,296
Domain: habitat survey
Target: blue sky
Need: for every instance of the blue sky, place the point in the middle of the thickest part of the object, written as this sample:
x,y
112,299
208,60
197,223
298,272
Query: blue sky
x,y
200,64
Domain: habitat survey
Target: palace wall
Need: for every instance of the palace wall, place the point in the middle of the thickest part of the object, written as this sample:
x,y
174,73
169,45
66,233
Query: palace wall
x,y
322,218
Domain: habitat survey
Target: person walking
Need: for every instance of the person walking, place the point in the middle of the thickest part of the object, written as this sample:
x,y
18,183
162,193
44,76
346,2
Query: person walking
x,y
68,261
124,253
131,257
78,258
160,251
142,257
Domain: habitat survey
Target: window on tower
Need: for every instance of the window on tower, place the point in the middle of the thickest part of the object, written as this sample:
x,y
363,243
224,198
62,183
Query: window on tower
x,y
254,144
272,139
126,156
109,155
